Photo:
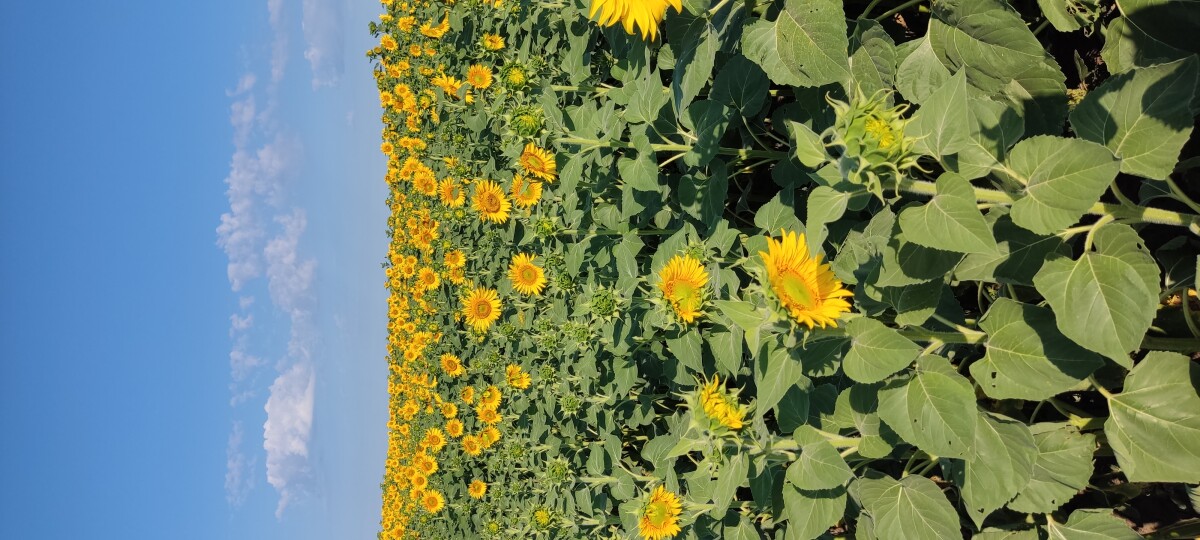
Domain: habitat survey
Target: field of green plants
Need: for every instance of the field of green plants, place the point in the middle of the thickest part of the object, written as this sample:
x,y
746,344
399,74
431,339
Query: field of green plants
x,y
794,269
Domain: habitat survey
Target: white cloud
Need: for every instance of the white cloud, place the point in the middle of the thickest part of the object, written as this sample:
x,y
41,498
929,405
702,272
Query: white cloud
x,y
254,176
241,362
289,278
324,34
238,323
239,470
279,46
286,433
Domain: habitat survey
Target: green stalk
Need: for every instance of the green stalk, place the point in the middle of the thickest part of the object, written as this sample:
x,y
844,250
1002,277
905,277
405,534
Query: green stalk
x,y
742,153
898,9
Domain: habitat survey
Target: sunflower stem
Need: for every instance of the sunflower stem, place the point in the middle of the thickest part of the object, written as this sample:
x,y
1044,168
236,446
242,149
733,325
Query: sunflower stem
x,y
898,9
743,153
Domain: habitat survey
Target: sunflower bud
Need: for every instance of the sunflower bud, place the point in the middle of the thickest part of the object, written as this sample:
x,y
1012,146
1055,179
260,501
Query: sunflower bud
x,y
869,136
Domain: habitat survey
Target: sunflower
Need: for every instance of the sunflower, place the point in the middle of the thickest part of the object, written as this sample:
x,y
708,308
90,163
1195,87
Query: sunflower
x,y
720,406
472,445
433,501
451,193
452,365
682,282
454,428
490,435
489,416
660,515
516,377
428,278
527,278
646,14
455,259
481,308
477,489
490,202
434,439
479,76
806,288
449,410
492,42
525,192
539,163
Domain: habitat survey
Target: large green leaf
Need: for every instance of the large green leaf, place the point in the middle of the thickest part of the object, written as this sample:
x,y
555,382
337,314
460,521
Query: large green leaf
x,y
1106,300
1018,257
732,475
904,262
1003,464
1091,525
1063,178
1027,357
646,95
993,127
872,57
745,530
1127,46
819,465
921,72
1174,23
934,411
805,46
913,508
1154,423
1062,468
825,205
708,120
1144,116
941,124
740,84
776,216
876,351
811,513
779,374
950,221
695,44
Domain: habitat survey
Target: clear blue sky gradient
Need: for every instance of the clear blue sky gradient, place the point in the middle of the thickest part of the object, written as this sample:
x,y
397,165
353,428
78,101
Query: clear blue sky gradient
x,y
115,338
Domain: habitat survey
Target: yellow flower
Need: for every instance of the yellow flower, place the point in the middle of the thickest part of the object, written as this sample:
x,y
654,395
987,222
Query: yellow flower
x,y
454,428
479,76
527,278
721,406
646,14
539,163
435,440
488,416
525,192
388,42
682,282
449,410
481,308
433,501
492,42
428,279
452,365
806,288
517,378
490,202
451,193
477,489
472,445
660,515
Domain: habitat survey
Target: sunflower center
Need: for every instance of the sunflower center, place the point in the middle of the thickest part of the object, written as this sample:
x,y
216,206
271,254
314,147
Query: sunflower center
x,y
528,275
656,513
490,203
795,291
685,295
482,310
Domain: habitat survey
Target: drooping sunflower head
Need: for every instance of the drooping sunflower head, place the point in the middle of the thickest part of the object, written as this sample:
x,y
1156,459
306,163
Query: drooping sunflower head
x,y
481,308
645,14
490,202
517,377
804,286
869,136
682,282
660,515
527,278
539,163
720,406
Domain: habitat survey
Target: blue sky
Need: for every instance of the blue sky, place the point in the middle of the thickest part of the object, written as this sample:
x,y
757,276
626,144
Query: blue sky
x,y
192,307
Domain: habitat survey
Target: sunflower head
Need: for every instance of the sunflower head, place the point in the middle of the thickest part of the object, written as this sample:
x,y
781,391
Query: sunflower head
x,y
490,202
433,501
527,278
721,407
481,308
477,489
660,513
644,14
479,76
869,136
538,163
683,281
525,192
526,122
805,287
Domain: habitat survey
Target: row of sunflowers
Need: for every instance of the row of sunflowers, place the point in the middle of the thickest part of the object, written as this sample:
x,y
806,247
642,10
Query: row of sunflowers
x,y
607,320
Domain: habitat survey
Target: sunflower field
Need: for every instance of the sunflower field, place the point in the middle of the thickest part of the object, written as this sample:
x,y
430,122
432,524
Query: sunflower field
x,y
791,269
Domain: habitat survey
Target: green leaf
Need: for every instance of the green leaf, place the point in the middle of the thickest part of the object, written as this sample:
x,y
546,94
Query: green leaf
x,y
695,45
732,475
914,304
940,125
992,127
1003,464
806,145
640,173
708,120
1171,22
686,349
872,57
776,216
805,46
912,509
726,347
904,262
819,465
773,380
746,316
811,513
1127,46
1154,423
1068,15
1143,116
1063,178
646,97
1091,524
1018,257
742,85
932,410
876,351
950,221
1027,357
825,205
1062,468
921,72
745,530
1106,300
